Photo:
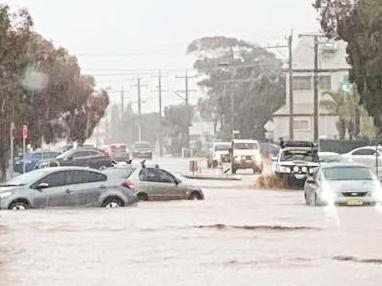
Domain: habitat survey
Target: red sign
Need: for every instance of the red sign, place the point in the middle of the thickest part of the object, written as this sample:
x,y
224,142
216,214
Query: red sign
x,y
25,131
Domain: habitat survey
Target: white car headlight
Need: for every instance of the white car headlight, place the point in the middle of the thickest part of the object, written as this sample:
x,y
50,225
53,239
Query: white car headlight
x,y
5,195
284,169
295,169
304,169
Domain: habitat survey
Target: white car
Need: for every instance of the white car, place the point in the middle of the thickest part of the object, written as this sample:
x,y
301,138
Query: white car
x,y
219,154
369,156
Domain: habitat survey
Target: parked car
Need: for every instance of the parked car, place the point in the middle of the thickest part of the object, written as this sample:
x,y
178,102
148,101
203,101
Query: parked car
x,y
117,152
329,157
343,184
154,183
367,156
32,159
81,156
246,155
142,150
295,162
219,154
64,187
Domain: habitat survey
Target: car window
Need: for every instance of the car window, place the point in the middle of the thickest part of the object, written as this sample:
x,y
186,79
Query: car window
x,y
364,152
53,180
76,177
80,154
96,177
155,175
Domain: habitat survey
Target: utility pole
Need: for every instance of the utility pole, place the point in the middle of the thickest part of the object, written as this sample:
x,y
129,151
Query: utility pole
x,y
291,95
316,105
160,114
139,110
122,101
187,91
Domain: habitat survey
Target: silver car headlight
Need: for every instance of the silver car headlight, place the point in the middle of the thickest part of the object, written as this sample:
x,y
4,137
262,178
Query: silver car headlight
x,y
304,169
5,195
296,169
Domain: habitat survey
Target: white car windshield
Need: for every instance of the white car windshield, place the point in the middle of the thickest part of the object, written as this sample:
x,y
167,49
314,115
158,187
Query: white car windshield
x,y
245,146
347,174
222,147
298,155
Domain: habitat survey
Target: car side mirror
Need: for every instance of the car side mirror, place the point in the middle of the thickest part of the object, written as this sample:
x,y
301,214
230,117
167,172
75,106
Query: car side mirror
x,y
70,158
42,186
177,181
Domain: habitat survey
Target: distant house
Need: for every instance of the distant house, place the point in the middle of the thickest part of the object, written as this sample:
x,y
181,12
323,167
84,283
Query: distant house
x,y
332,55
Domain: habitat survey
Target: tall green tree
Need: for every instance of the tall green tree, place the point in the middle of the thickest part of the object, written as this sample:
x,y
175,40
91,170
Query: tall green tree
x,y
359,23
242,81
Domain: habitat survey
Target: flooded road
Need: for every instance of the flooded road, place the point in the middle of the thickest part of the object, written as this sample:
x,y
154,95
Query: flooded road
x,y
237,236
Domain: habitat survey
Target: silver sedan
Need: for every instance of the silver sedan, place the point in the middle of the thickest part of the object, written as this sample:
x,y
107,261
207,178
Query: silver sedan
x,y
343,184
64,187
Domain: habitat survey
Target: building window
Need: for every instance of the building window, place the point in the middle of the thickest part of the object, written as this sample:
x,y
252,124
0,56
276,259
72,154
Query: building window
x,y
300,124
325,82
302,83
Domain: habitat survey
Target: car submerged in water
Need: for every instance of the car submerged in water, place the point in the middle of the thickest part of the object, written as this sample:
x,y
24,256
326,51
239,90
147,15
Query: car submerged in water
x,y
65,187
154,183
343,184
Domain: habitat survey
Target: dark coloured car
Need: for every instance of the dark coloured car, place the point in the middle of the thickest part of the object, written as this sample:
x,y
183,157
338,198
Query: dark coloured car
x,y
32,160
118,152
82,157
154,183
142,150
64,187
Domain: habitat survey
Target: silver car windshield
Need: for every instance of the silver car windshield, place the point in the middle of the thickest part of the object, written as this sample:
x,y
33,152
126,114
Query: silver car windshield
x,y
347,174
27,178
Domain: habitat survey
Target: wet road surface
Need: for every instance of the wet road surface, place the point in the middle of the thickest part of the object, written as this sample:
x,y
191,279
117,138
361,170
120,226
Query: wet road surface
x,y
237,236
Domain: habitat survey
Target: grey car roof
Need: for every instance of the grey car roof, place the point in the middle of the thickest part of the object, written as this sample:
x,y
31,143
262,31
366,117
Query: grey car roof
x,y
343,164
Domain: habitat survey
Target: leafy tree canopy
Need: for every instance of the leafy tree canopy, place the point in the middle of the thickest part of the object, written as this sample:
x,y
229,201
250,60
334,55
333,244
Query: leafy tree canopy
x,y
238,72
359,23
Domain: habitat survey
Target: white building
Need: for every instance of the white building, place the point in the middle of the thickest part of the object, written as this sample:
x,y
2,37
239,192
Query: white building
x,y
332,55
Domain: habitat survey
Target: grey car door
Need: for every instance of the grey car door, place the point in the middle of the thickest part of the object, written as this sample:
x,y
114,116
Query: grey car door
x,y
55,194
163,184
85,187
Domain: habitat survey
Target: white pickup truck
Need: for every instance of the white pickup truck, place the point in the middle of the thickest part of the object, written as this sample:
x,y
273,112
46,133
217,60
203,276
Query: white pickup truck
x,y
219,154
246,155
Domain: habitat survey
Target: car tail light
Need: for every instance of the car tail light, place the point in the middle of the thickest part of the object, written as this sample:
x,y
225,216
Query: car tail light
x,y
128,184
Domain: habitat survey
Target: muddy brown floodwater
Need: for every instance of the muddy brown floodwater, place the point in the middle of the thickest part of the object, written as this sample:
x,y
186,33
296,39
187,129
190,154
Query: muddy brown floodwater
x,y
237,236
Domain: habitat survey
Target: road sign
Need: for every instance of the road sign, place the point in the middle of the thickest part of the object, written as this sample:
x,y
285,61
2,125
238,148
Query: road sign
x,y
346,86
25,131
13,131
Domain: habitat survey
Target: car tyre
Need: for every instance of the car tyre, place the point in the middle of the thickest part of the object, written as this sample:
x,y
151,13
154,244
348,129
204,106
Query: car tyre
x,y
113,202
143,197
19,206
195,196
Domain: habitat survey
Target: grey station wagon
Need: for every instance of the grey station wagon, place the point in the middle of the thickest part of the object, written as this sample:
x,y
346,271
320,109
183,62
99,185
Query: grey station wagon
x,y
64,187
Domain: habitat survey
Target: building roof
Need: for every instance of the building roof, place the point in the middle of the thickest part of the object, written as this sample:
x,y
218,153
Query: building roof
x,y
300,109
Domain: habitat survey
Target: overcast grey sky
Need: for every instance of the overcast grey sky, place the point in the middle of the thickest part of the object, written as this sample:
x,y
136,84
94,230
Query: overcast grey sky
x,y
152,34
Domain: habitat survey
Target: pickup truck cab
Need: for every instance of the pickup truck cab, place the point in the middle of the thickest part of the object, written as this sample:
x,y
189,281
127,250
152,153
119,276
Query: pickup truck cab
x,y
245,154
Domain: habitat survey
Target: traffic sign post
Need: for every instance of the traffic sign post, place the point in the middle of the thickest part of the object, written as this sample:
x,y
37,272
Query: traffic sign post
x,y
12,130
25,136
